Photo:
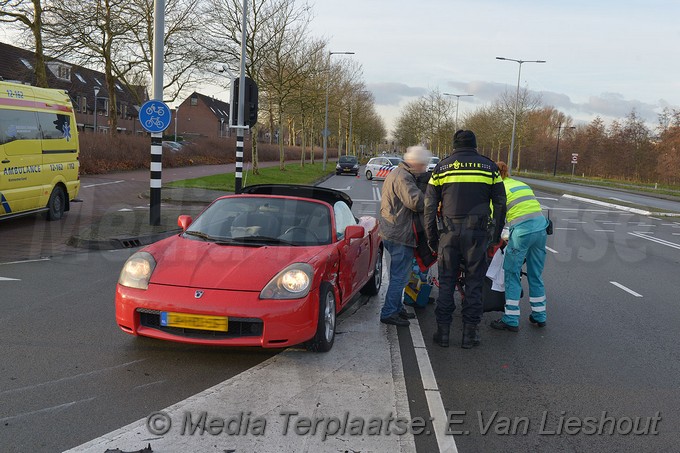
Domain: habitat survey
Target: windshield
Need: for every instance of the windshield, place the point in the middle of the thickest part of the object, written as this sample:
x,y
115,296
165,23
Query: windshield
x,y
434,161
395,160
347,160
260,221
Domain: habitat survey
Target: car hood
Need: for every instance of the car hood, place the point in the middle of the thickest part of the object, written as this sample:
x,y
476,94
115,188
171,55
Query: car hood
x,y
206,265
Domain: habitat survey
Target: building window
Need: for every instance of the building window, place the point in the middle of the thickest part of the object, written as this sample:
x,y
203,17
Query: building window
x,y
80,78
26,63
118,87
98,82
194,101
64,73
83,104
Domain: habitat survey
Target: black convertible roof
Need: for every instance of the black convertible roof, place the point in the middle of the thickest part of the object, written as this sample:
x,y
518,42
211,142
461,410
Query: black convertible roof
x,y
330,196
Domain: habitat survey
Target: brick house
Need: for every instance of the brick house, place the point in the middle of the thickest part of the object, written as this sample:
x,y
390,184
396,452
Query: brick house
x,y
83,85
200,116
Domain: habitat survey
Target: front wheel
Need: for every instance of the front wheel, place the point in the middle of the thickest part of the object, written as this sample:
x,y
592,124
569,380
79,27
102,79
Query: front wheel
x,y
57,204
369,175
325,328
372,287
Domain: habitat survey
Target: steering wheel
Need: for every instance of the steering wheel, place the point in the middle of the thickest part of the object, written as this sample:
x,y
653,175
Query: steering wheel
x,y
303,229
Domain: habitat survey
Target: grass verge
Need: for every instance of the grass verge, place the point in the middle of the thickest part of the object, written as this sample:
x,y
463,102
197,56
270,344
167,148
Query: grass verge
x,y
293,174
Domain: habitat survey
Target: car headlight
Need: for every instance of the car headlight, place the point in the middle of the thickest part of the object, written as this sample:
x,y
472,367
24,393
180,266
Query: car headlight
x,y
137,271
356,166
294,282
338,167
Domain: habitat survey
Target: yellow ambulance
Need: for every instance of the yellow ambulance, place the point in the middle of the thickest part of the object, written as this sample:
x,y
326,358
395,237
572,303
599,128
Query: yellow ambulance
x,y
38,151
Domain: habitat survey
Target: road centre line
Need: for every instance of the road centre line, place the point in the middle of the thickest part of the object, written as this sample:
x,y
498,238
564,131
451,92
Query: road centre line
x,y
563,228
101,184
605,231
446,443
628,290
7,279
609,205
26,261
645,235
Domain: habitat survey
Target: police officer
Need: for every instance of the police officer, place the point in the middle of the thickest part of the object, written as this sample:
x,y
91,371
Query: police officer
x,y
466,184
527,241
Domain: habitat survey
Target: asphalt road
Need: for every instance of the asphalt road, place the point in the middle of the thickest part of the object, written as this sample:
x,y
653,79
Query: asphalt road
x,y
68,374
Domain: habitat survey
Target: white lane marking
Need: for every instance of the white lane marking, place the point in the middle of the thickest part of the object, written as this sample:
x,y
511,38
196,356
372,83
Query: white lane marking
x,y
628,290
645,235
26,261
605,231
562,228
70,378
546,198
47,409
611,223
7,279
575,221
674,225
615,199
550,250
655,218
675,234
583,210
376,194
125,210
101,184
446,443
645,224
609,205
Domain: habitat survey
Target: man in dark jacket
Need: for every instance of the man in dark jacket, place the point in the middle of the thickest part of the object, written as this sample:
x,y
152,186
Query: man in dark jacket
x,y
463,187
400,203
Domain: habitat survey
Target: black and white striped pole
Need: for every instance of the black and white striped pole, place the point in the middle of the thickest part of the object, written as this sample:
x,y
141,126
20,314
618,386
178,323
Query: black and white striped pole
x,y
155,175
240,127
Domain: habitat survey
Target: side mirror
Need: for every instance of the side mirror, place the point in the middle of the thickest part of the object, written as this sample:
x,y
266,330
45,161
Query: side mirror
x,y
184,221
354,232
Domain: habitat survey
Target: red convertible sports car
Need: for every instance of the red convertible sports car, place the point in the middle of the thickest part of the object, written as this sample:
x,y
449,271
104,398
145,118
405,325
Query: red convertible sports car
x,y
270,267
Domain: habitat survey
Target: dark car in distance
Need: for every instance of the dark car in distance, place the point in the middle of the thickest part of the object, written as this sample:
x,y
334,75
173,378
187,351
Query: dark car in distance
x,y
347,165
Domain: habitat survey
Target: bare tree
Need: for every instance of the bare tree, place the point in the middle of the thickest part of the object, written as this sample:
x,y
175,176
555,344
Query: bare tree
x,y
93,33
27,15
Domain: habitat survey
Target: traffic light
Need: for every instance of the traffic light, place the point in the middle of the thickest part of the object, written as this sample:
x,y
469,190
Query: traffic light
x,y
250,105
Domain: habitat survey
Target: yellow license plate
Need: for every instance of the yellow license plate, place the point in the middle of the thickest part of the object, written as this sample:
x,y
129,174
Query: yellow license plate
x,y
189,321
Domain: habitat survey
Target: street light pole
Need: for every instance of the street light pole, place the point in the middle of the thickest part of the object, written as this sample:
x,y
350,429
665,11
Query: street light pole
x,y
176,115
96,92
458,96
325,127
557,150
514,116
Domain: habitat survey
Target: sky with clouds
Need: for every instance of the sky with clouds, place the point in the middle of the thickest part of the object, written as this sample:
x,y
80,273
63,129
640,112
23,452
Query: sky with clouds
x,y
604,58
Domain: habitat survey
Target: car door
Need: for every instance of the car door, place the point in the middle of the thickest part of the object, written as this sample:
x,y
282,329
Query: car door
x,y
354,254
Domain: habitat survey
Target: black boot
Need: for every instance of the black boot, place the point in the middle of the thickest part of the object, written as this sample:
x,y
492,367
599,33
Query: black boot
x,y
470,336
441,336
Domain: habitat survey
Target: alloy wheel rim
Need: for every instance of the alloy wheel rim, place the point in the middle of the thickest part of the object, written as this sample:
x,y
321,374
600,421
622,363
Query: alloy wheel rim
x,y
329,316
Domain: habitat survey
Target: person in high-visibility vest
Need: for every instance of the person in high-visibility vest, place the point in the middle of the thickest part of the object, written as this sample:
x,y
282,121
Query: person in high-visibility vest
x,y
527,226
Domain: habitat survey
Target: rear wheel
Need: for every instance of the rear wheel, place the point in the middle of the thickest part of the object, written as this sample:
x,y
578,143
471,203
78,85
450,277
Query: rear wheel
x,y
325,328
369,175
57,204
372,287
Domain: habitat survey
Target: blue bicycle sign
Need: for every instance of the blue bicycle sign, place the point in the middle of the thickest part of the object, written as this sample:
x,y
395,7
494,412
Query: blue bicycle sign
x,y
154,116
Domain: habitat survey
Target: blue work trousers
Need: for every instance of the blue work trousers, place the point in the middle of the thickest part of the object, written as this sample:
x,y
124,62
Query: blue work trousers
x,y
521,246
401,266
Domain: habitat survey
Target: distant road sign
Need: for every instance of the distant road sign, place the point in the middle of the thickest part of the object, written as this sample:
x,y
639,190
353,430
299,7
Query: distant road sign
x,y
154,116
574,158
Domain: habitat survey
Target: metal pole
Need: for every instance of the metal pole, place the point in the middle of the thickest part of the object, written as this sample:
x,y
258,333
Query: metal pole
x,y
176,115
325,130
241,101
96,92
325,123
557,150
514,121
458,96
349,145
156,168
514,116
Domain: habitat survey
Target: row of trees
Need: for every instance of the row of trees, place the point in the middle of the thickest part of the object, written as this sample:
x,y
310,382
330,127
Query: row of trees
x,y
625,149
292,69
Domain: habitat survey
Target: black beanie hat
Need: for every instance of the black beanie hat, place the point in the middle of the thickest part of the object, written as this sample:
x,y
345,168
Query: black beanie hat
x,y
464,139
